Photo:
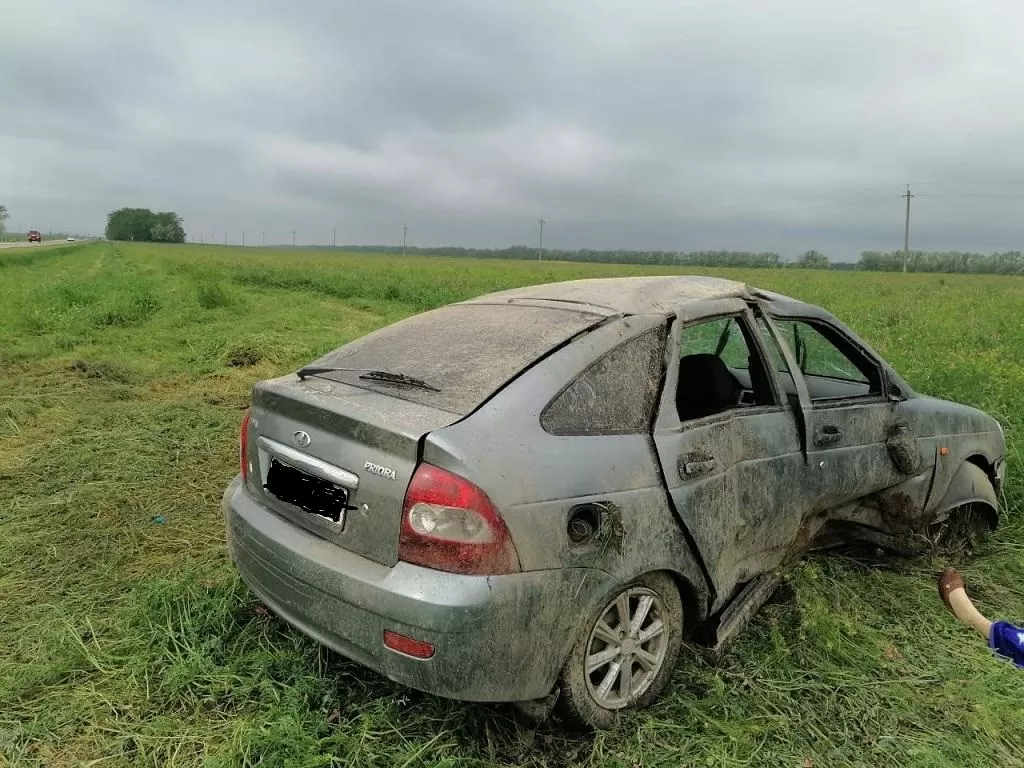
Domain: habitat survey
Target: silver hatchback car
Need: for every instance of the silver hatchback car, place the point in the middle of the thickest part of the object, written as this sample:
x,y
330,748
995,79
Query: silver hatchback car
x,y
534,496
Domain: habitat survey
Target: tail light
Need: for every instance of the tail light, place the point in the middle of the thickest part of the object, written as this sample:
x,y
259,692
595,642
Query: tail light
x,y
243,444
450,525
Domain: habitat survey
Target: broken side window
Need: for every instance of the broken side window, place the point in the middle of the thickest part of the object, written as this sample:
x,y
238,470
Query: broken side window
x,y
774,353
615,395
831,366
719,369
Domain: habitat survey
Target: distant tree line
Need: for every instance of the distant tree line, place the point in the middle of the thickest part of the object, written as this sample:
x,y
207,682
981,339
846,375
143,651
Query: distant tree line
x,y
1006,263
812,260
143,225
1009,262
769,259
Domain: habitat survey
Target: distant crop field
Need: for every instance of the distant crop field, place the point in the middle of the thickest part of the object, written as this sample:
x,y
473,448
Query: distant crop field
x,y
127,639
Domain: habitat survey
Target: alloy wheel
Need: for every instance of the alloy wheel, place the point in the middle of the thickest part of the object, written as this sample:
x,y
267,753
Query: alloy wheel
x,y
626,648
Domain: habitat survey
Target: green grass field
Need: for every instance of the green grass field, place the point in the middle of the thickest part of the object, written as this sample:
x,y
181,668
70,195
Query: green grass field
x,y
127,639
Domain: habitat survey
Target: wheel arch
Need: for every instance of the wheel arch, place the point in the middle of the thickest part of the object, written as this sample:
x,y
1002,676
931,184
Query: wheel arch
x,y
985,465
572,697
694,601
973,483
693,612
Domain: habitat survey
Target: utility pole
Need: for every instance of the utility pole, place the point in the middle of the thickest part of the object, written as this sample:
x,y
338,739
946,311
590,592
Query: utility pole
x,y
293,238
405,232
225,238
906,230
263,238
334,239
243,239
540,240
200,238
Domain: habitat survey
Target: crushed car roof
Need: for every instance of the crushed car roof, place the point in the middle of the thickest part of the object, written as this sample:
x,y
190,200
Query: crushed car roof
x,y
630,295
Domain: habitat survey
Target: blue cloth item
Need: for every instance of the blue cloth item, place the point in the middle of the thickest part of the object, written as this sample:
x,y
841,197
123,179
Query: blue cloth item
x,y
1007,640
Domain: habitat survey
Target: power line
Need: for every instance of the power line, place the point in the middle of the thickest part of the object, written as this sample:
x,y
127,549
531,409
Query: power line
x,y
906,230
1010,195
725,212
795,205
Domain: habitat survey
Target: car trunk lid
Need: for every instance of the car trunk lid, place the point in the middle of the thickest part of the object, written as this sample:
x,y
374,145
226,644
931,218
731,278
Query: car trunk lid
x,y
317,447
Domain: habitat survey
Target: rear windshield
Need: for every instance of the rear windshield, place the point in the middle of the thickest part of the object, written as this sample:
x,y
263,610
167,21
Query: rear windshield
x,y
467,351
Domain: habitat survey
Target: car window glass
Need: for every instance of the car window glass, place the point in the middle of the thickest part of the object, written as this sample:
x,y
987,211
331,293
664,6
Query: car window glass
x,y
722,337
718,370
615,395
465,352
833,368
816,355
774,353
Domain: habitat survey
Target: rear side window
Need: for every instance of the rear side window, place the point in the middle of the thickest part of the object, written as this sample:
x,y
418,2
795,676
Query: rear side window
x,y
466,352
615,395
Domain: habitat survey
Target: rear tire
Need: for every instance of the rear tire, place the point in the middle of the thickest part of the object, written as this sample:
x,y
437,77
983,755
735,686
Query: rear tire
x,y
625,654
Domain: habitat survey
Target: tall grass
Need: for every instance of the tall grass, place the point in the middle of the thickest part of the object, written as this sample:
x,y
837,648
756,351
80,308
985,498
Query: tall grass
x,y
126,639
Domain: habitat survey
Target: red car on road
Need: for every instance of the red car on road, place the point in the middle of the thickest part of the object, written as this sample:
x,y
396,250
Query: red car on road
x,y
35,237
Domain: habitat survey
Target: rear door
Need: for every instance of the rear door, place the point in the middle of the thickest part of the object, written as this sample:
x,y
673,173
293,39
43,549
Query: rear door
x,y
731,458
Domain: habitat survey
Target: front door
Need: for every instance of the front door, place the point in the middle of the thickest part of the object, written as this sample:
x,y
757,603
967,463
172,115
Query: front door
x,y
730,449
857,445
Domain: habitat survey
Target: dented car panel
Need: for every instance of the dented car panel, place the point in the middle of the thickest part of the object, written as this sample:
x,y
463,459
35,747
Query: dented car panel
x,y
545,480
727,472
690,426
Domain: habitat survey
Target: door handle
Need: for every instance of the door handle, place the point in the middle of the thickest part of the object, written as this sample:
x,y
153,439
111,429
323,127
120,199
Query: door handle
x,y
692,468
828,434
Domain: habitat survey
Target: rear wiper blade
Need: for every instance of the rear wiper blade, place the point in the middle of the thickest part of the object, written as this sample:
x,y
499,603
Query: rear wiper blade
x,y
371,375
398,378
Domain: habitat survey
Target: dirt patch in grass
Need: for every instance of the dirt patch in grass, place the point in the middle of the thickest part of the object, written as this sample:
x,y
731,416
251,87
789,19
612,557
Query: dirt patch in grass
x,y
242,356
212,296
103,371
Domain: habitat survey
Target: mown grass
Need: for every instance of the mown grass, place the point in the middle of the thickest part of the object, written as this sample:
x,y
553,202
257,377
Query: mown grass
x,y
127,639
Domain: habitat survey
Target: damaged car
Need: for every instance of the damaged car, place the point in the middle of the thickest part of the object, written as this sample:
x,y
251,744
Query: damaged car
x,y
535,496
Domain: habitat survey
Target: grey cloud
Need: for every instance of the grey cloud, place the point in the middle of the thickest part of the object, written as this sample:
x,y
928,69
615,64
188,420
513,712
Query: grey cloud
x,y
768,124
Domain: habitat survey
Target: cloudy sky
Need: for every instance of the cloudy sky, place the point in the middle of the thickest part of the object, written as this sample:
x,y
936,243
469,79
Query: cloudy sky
x,y
749,124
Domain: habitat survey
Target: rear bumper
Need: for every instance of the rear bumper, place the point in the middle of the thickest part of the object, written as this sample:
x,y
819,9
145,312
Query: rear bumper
x,y
495,638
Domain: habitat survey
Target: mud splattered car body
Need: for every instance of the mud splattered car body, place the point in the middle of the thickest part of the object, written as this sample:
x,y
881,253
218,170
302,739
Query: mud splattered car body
x,y
535,494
